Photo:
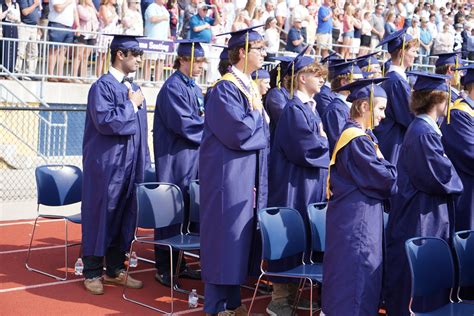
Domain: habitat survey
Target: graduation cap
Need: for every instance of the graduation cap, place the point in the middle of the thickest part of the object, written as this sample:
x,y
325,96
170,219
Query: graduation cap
x,y
243,37
468,75
190,48
386,65
430,82
365,89
281,67
298,63
330,57
260,74
125,42
396,40
346,68
448,59
367,60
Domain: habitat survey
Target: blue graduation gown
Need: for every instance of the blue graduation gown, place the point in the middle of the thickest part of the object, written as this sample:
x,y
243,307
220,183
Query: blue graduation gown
x,y
115,156
323,99
360,182
398,117
299,159
275,101
458,142
334,119
423,207
454,94
177,131
232,164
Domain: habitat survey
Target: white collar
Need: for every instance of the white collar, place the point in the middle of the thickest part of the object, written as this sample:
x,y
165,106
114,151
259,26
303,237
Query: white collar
x,y
306,99
398,70
343,98
455,90
327,84
117,74
428,119
245,78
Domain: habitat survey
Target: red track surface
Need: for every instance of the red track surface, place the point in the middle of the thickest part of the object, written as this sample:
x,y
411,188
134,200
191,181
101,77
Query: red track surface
x,y
29,293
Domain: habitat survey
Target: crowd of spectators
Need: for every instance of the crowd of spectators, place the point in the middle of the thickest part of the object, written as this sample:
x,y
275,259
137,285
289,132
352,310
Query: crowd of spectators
x,y
351,27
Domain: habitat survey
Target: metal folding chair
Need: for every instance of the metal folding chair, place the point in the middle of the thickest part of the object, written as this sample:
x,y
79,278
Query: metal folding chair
x,y
57,185
464,247
432,270
161,205
284,235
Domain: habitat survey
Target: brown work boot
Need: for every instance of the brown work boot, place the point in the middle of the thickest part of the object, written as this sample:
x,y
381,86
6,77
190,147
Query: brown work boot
x,y
240,311
120,280
94,286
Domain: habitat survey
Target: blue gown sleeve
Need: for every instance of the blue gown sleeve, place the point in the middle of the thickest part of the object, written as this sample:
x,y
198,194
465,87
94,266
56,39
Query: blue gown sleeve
x,y
375,177
108,117
301,145
432,171
274,104
231,123
334,122
179,115
459,137
400,94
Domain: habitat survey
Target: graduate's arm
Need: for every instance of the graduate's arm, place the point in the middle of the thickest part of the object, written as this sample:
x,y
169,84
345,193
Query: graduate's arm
x,y
400,96
108,117
275,103
459,136
334,122
375,176
433,172
299,143
227,118
179,115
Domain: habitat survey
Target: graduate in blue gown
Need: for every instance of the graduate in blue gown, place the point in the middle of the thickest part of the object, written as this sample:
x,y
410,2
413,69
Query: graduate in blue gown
x,y
370,64
277,97
262,78
232,172
360,179
177,131
427,186
403,51
325,94
458,142
115,156
298,164
447,64
337,113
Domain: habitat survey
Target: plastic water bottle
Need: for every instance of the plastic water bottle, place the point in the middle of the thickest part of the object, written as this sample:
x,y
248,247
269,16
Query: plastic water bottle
x,y
133,260
193,299
78,267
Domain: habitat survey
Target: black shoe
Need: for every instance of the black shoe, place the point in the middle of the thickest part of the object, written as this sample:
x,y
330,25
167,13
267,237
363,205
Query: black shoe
x,y
164,279
189,273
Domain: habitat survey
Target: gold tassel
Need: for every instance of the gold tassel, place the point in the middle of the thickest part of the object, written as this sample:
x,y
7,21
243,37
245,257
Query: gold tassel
x,y
246,51
371,106
105,67
192,61
448,115
278,77
403,50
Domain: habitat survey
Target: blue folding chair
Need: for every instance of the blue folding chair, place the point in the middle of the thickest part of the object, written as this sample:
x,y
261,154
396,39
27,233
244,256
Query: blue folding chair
x,y
464,247
317,221
161,205
194,204
58,186
432,270
284,235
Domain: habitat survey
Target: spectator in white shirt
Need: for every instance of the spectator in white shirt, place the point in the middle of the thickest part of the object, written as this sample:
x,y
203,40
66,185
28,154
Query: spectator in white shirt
x,y
132,20
432,26
157,26
272,37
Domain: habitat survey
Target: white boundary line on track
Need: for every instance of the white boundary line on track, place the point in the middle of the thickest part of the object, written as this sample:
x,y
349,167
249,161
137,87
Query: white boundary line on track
x,y
27,287
30,222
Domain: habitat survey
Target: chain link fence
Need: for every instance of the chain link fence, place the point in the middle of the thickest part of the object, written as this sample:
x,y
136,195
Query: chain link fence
x,y
34,136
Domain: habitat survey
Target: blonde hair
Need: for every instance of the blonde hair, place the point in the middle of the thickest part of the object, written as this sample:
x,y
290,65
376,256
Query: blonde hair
x,y
315,68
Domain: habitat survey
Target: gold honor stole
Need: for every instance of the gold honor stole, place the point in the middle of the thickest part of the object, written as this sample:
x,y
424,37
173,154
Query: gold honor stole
x,y
346,137
462,106
254,98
